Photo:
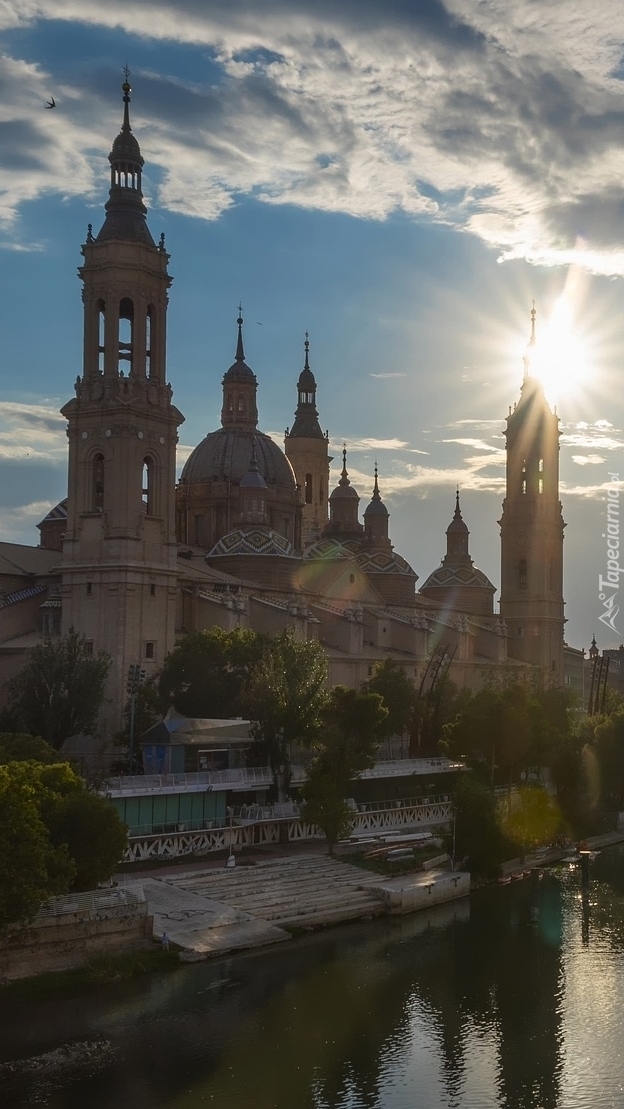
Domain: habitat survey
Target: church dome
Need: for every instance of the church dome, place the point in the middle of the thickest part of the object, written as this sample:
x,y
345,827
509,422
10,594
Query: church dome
x,y
225,455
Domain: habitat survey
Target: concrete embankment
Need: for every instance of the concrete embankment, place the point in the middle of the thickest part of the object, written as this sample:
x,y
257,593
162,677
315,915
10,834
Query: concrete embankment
x,y
211,912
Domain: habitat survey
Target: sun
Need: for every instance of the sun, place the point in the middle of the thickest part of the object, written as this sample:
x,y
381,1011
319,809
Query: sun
x,y
560,358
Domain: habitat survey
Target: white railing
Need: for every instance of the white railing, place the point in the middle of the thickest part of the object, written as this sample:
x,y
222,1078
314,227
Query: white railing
x,y
259,777
253,832
112,901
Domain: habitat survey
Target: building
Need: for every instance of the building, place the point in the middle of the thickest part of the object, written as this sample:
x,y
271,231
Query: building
x,y
252,536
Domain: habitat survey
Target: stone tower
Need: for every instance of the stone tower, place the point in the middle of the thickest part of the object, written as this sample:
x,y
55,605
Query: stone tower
x,y
532,531
306,448
119,553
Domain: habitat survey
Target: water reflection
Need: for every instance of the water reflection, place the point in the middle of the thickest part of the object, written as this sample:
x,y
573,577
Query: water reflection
x,y
468,1007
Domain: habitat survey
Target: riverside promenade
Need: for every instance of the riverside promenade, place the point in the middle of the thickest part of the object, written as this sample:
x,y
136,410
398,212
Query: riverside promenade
x,y
209,910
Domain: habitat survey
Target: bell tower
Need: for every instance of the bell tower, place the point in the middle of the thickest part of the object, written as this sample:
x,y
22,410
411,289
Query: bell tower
x,y
306,448
532,531
119,554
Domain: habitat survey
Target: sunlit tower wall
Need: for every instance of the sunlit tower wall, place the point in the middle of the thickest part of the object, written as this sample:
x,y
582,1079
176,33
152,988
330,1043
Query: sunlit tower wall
x,y
532,532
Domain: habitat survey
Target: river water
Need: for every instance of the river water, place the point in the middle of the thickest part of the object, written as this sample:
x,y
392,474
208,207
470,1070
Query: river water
x,y
470,1006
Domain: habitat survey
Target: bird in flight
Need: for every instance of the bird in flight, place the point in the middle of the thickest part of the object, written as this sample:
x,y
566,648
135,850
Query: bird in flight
x,y
51,103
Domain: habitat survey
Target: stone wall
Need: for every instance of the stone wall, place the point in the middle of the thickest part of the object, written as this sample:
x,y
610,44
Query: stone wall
x,y
65,942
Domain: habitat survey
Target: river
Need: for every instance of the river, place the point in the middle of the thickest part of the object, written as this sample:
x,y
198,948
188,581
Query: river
x,y
470,1006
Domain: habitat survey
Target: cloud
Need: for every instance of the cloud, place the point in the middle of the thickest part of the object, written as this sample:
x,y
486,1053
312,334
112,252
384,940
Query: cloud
x,y
478,444
19,523
388,375
34,431
588,459
488,118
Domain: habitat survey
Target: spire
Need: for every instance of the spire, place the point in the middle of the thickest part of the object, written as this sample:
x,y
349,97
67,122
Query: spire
x,y
457,537
526,358
344,476
376,518
240,407
306,425
240,353
125,211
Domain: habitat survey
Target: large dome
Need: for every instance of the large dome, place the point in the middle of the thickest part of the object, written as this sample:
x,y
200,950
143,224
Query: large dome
x,y
225,455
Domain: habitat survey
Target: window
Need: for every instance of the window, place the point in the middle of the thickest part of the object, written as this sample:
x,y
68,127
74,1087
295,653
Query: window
x,y
152,590
522,574
241,403
88,647
125,335
97,491
147,486
523,478
51,624
308,489
89,589
520,633
149,649
101,320
149,339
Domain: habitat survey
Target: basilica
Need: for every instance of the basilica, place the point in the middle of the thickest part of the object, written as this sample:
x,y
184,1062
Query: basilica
x,y
252,535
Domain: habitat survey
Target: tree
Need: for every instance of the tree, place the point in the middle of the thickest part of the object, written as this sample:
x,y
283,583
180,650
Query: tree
x,y
478,836
31,868
16,747
285,697
352,727
54,836
397,692
205,674
59,691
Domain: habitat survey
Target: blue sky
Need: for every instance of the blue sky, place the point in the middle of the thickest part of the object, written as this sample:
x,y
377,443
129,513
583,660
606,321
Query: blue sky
x,y
398,178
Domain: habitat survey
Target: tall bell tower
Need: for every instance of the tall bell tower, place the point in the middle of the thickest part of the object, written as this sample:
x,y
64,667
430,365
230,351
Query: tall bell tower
x,y
306,448
532,531
119,555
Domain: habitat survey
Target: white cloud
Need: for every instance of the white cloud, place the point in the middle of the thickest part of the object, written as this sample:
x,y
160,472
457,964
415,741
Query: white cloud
x,y
33,431
499,118
588,459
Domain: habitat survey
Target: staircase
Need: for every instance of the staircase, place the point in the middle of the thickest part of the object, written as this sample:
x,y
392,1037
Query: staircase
x,y
308,891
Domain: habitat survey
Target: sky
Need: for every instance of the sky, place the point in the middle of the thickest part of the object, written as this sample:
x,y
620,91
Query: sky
x,y
399,178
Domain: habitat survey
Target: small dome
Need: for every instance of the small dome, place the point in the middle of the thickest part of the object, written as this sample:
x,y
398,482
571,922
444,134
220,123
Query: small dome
x,y
239,371
376,506
307,381
344,489
125,149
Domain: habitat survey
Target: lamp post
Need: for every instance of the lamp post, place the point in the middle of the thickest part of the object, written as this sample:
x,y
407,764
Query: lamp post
x,y
135,676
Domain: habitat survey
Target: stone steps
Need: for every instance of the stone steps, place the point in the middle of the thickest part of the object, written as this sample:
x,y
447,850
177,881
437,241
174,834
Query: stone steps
x,y
306,892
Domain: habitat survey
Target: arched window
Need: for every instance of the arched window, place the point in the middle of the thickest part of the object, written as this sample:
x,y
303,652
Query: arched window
x,y
126,334
97,484
101,321
522,574
523,478
241,402
149,339
321,491
147,486
540,480
308,489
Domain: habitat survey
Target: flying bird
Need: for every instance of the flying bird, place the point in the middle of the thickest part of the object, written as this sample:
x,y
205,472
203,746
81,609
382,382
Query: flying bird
x,y
51,103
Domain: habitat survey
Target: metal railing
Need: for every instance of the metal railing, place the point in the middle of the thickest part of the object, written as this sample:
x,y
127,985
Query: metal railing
x,y
260,777
94,903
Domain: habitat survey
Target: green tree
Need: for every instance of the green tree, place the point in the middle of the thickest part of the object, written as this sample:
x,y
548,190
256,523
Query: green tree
x,y
32,869
18,747
207,671
59,691
609,748
352,727
397,692
285,697
478,836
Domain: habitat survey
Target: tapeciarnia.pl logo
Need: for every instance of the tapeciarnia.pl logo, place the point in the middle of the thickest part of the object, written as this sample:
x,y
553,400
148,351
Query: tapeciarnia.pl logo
x,y
608,586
